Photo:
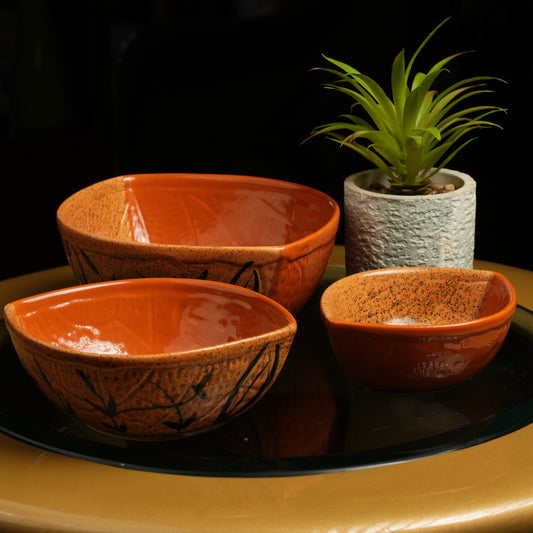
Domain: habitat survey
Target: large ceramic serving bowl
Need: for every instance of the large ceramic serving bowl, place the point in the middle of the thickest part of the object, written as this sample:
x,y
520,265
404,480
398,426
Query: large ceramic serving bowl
x,y
152,358
268,235
417,328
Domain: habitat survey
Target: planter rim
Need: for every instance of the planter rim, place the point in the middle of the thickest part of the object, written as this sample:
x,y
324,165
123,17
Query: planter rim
x,y
469,184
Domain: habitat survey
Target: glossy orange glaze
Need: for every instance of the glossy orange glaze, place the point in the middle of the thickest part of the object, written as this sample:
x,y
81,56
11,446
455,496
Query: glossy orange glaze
x,y
152,358
149,317
219,210
417,328
271,236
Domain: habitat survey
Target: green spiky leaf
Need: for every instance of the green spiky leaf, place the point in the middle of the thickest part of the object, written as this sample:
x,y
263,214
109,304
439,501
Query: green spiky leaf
x,y
415,131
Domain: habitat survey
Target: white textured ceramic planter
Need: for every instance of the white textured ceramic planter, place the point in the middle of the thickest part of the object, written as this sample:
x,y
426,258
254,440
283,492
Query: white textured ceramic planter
x,y
383,231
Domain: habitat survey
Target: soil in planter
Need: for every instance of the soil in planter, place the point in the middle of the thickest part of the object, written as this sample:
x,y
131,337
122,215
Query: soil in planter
x,y
438,188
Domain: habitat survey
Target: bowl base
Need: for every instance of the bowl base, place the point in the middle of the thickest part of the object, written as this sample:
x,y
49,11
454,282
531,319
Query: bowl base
x,y
153,438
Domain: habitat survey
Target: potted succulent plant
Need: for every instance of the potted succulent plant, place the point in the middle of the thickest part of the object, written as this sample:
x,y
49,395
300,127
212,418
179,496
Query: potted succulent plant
x,y
409,210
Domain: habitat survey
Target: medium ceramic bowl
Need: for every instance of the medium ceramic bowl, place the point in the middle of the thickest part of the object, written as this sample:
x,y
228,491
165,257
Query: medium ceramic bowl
x,y
417,328
152,358
268,235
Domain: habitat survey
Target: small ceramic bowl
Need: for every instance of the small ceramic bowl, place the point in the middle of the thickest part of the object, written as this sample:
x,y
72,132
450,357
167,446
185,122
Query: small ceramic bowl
x,y
417,328
152,358
271,236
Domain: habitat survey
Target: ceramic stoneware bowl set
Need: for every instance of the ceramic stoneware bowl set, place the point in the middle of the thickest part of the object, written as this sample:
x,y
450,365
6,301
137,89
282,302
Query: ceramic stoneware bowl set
x,y
183,317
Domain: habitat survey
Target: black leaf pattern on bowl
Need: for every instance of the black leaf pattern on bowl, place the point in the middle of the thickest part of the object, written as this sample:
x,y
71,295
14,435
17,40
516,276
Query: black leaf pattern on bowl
x,y
231,407
110,408
80,261
42,373
180,426
83,266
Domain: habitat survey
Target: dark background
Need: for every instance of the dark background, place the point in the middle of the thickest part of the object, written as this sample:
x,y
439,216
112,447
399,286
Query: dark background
x,y
94,89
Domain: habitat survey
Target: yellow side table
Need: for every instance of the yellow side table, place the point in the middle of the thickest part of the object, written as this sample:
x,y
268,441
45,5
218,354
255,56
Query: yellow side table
x,y
487,487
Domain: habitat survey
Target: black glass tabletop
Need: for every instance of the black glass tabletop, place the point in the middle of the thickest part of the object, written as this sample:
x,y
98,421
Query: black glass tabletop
x,y
314,419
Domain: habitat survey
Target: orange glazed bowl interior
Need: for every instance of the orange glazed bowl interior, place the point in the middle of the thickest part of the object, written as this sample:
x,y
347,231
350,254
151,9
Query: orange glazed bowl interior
x,y
417,328
268,235
152,358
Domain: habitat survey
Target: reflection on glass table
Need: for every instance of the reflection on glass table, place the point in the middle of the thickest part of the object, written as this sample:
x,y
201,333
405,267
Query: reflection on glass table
x,y
314,419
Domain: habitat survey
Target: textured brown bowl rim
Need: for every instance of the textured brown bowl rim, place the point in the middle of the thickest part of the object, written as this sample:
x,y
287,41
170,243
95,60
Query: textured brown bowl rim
x,y
426,330
187,357
330,226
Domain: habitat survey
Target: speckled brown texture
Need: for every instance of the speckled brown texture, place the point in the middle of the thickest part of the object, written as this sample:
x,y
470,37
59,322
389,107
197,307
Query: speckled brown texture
x,y
417,328
194,353
295,227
